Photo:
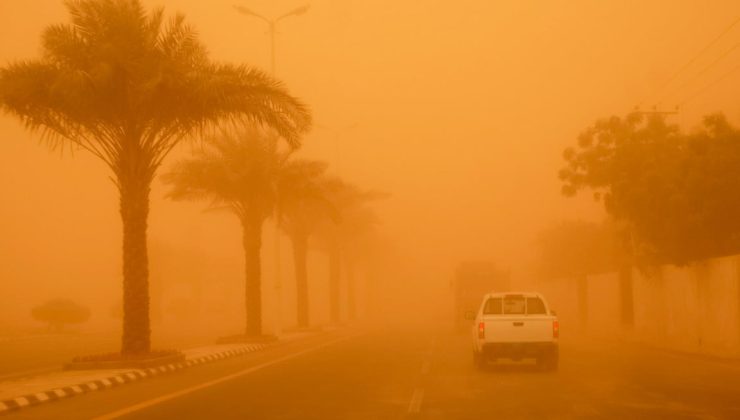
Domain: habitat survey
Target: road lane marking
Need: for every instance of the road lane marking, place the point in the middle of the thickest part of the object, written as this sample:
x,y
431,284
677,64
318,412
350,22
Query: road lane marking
x,y
418,396
178,394
416,399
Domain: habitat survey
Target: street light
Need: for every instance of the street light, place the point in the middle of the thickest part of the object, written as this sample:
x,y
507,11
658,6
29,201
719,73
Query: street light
x,y
272,25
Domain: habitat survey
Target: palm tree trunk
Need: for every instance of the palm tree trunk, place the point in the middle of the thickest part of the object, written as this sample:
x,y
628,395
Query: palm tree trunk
x,y
300,252
351,298
134,208
334,277
252,239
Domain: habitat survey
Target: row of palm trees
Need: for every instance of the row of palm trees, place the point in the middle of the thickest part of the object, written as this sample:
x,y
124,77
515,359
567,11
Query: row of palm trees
x,y
128,85
244,172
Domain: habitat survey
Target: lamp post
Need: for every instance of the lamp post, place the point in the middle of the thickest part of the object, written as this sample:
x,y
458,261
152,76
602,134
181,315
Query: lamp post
x,y
272,28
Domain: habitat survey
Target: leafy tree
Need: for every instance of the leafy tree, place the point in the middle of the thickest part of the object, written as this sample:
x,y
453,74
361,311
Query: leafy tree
x,y
711,180
60,312
676,192
632,164
304,202
238,173
128,85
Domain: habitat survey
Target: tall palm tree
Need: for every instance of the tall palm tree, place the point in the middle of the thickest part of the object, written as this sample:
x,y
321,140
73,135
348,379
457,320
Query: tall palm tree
x,y
238,173
355,219
304,193
358,222
127,86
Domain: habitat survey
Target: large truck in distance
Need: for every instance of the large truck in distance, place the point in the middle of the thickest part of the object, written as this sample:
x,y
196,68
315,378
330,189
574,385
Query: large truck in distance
x,y
472,280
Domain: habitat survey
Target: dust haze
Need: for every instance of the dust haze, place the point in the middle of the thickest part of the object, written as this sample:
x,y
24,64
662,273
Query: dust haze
x,y
452,119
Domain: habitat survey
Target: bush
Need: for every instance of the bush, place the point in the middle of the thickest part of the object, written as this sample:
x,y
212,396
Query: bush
x,y
60,312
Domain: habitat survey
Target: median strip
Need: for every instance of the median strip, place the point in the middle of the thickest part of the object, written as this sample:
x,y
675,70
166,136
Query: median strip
x,y
68,384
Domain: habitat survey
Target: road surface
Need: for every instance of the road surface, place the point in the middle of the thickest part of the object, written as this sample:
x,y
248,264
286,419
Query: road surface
x,y
413,374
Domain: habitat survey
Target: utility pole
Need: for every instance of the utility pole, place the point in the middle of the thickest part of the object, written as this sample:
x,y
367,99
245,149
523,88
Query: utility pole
x,y
272,29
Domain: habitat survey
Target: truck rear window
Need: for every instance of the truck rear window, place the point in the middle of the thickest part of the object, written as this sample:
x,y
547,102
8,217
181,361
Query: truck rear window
x,y
514,305
493,307
535,306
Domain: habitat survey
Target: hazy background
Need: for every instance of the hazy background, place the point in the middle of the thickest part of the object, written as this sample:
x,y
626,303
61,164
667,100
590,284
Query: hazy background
x,y
460,110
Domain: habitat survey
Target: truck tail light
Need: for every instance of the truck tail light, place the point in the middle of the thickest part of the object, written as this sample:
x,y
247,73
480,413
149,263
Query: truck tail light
x,y
482,330
555,329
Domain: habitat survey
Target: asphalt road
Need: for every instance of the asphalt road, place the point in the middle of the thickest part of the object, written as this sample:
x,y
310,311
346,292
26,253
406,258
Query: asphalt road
x,y
421,375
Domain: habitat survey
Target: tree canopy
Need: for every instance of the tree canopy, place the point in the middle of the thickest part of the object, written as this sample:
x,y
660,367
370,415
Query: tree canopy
x,y
677,192
117,76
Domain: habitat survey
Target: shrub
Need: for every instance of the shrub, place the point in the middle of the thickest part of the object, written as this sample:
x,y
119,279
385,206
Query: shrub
x,y
60,312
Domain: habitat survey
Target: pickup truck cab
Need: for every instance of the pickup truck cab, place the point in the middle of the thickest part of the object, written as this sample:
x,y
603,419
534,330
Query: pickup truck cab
x,y
515,326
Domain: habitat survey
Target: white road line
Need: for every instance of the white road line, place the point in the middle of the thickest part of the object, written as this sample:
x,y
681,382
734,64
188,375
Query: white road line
x,y
178,394
416,400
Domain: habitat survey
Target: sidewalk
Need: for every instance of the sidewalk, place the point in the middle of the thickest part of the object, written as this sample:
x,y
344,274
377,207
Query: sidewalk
x,y
30,391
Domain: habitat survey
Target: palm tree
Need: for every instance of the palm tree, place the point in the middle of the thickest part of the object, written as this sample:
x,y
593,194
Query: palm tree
x,y
304,193
358,222
238,173
128,86
355,219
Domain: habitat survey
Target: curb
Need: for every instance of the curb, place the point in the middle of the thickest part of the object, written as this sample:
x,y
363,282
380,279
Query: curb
x,y
31,400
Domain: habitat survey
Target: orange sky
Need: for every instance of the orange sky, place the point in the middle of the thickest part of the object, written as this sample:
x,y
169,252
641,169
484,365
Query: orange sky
x,y
461,111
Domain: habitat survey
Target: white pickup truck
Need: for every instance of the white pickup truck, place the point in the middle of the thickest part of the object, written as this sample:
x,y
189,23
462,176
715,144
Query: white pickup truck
x,y
515,326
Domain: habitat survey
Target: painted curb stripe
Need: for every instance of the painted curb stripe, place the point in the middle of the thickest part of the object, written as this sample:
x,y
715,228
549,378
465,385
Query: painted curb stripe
x,y
18,403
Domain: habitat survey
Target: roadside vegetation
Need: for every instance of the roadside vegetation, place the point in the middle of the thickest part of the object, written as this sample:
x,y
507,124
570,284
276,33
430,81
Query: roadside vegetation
x,y
128,85
59,313
672,192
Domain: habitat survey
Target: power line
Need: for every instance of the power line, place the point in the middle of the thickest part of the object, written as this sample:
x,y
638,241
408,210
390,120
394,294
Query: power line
x,y
709,86
700,73
698,55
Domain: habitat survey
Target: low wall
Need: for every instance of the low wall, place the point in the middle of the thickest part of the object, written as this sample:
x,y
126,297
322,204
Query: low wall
x,y
693,308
